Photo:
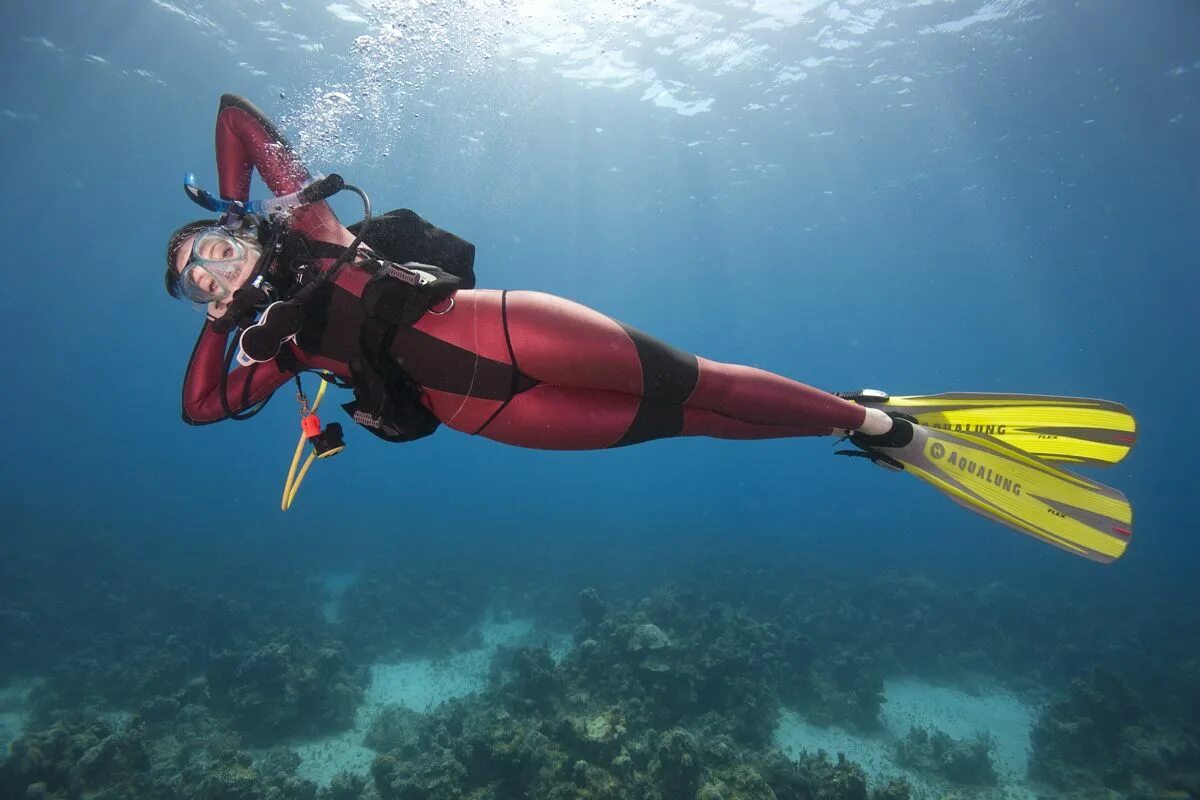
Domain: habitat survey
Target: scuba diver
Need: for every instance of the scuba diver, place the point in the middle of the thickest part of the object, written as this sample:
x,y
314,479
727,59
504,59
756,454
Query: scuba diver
x,y
388,307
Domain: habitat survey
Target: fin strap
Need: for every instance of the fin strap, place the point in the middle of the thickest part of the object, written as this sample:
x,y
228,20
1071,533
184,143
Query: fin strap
x,y
878,459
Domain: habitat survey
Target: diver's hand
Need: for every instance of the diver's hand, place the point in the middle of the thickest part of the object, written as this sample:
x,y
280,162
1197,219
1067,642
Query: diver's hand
x,y
238,309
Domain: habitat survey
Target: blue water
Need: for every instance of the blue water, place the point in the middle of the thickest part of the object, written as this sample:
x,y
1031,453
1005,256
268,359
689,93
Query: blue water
x,y
1005,203
920,197
927,199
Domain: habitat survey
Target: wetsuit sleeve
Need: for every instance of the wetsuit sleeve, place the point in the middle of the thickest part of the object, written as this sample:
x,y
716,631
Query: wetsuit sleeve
x,y
247,140
202,383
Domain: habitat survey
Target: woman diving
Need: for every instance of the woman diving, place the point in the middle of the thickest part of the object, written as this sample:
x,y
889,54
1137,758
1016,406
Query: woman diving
x,y
535,370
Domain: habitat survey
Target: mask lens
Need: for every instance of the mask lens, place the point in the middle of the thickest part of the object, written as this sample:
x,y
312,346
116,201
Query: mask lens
x,y
216,246
203,283
213,269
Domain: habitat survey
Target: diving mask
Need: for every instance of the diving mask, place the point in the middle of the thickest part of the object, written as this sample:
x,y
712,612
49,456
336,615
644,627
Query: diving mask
x,y
219,262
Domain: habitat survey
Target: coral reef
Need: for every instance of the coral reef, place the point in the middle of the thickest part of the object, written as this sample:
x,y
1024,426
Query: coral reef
x,y
964,762
395,727
193,683
591,607
657,703
287,687
190,757
1101,735
405,611
73,754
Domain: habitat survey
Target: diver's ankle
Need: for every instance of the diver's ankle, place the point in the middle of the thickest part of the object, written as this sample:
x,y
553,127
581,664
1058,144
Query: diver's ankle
x,y
899,434
876,423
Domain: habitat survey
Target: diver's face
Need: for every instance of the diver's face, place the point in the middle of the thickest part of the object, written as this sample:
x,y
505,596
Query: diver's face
x,y
231,275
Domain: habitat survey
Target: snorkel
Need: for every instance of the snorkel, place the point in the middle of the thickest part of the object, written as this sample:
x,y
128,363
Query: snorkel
x,y
233,212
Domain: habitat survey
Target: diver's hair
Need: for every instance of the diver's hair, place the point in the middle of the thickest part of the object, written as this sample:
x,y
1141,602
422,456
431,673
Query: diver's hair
x,y
173,277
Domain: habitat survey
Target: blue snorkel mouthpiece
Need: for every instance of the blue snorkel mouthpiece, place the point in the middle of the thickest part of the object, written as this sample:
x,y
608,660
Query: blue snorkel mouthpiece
x,y
206,200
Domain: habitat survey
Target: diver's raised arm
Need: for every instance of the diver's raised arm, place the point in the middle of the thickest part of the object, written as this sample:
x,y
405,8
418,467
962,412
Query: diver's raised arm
x,y
245,140
245,387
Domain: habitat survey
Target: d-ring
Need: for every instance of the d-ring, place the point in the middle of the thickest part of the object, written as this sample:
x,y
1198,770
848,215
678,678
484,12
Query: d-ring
x,y
448,309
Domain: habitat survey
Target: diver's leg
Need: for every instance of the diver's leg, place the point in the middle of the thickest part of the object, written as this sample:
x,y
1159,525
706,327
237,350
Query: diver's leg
x,y
764,398
563,343
565,418
701,422
562,418
559,342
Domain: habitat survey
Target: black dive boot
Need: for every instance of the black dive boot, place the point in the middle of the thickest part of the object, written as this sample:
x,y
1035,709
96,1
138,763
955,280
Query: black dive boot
x,y
900,435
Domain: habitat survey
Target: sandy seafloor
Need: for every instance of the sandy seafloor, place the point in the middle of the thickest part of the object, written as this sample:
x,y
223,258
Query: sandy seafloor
x,y
13,700
912,703
420,685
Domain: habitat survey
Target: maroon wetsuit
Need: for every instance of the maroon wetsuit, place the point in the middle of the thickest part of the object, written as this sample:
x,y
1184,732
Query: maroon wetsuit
x,y
524,368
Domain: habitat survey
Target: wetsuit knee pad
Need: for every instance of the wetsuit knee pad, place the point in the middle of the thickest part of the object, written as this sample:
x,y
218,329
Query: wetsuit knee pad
x,y
669,375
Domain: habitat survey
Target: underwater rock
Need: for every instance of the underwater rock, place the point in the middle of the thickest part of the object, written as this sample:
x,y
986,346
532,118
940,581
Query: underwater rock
x,y
595,736
603,728
782,774
532,676
287,687
496,746
655,663
845,689
814,777
647,638
740,783
536,671
1101,735
110,761
590,783
678,763
843,780
797,650
591,607
182,750
395,727
1167,756
233,779
345,786
1076,742
715,661
434,775
966,762
89,757
75,754
161,709
240,778
405,611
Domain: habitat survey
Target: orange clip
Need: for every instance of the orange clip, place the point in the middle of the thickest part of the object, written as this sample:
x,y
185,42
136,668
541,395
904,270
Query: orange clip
x,y
311,425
